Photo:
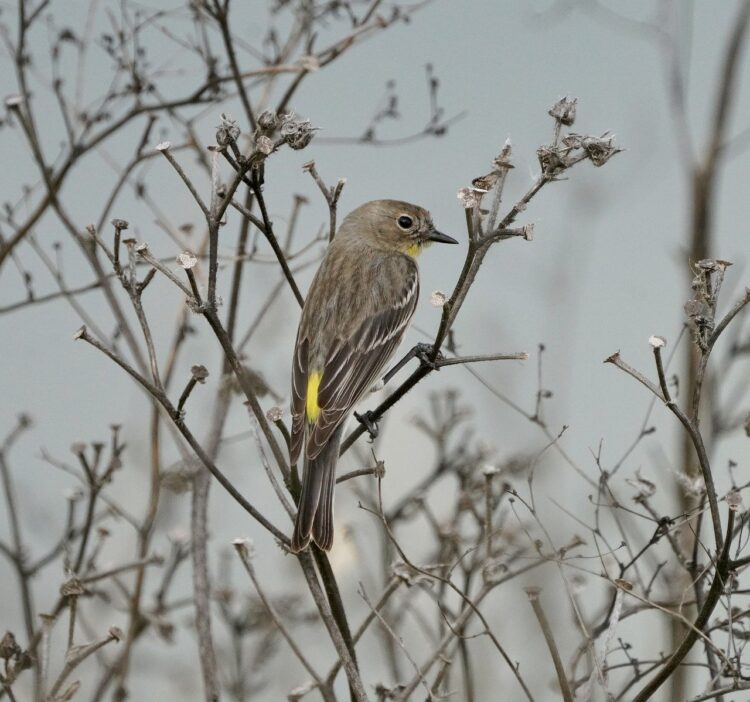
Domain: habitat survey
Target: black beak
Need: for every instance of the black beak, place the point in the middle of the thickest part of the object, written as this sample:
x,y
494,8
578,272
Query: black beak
x,y
441,238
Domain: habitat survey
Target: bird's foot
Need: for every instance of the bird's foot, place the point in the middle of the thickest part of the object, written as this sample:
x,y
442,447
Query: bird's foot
x,y
368,421
424,353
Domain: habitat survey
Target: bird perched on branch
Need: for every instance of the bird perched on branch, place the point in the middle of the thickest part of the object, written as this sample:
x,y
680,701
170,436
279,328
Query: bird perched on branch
x,y
359,305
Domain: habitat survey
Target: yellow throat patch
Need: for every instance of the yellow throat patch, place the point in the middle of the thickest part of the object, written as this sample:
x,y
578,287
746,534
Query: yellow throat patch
x,y
311,401
414,250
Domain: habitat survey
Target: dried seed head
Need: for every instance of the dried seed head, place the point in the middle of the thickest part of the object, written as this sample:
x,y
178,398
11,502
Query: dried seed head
x,y
502,160
163,146
187,260
734,501
72,588
120,224
264,145
533,593
297,133
564,111
657,342
438,298
572,141
228,130
707,264
379,470
274,414
302,137
489,470
268,120
599,149
8,646
469,198
485,183
199,373
245,547
115,633
550,160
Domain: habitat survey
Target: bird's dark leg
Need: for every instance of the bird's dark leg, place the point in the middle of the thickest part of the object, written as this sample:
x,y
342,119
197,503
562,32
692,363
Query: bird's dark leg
x,y
368,421
420,351
411,353
424,353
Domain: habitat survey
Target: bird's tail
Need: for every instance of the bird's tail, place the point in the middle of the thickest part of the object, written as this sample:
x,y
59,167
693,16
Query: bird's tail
x,y
315,509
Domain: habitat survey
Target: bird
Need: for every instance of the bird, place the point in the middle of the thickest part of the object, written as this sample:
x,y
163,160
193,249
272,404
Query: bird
x,y
358,307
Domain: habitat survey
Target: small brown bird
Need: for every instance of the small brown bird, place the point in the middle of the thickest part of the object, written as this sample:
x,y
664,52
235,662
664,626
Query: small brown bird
x,y
359,305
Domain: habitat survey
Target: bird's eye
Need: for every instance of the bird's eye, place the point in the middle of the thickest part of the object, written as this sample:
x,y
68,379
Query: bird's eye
x,y
405,222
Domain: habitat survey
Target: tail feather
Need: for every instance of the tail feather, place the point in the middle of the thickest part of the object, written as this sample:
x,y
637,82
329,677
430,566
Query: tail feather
x,y
308,505
322,530
315,509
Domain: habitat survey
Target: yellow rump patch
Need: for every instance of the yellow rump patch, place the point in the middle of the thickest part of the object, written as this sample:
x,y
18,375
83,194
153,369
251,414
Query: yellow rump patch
x,y
311,404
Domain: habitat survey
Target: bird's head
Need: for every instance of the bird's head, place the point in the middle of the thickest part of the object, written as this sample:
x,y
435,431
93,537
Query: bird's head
x,y
393,225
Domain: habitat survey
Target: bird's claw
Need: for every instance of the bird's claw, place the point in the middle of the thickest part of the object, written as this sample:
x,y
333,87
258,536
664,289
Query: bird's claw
x,y
424,353
368,421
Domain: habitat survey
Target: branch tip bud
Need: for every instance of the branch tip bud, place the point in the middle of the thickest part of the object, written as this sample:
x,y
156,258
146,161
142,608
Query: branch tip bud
x,y
657,342
187,260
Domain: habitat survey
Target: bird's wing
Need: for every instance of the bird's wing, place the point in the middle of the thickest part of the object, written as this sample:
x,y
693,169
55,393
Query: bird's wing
x,y
354,364
299,392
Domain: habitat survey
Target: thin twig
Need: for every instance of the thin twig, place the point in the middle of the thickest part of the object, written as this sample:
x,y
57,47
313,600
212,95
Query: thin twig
x,y
243,552
533,595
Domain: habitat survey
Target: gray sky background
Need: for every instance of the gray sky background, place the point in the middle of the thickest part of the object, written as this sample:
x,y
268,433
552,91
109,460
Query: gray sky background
x,y
607,268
